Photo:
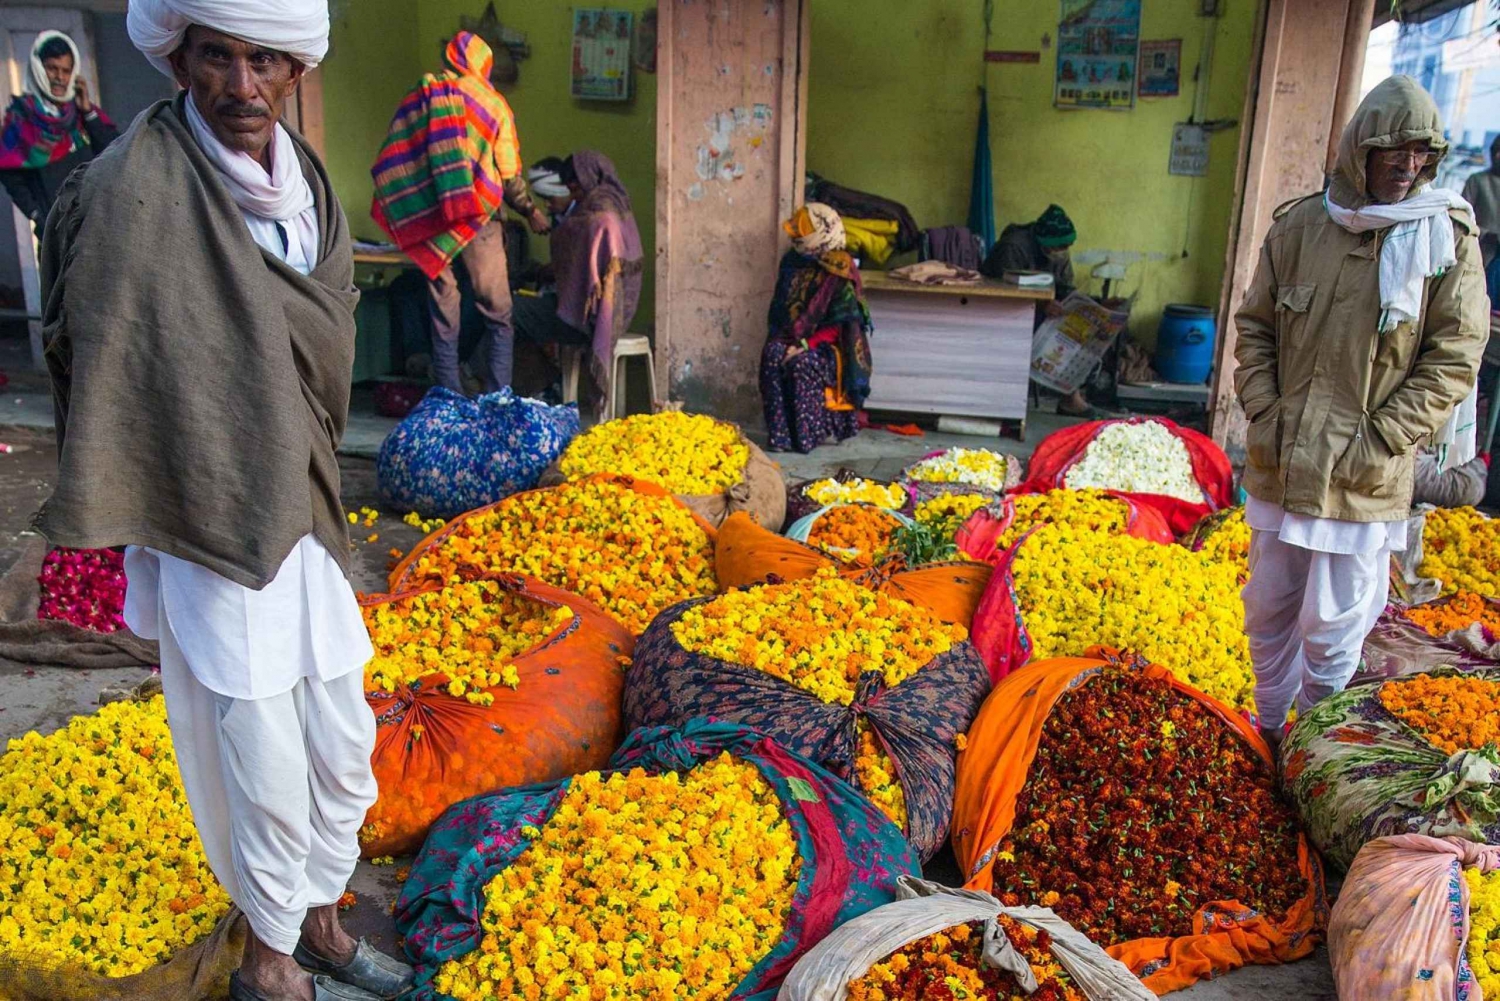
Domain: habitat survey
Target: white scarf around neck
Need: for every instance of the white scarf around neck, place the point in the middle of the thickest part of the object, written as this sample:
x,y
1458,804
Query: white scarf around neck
x,y
1419,246
282,196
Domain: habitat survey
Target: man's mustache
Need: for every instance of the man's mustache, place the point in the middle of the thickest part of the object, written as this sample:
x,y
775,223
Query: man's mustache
x,y
244,111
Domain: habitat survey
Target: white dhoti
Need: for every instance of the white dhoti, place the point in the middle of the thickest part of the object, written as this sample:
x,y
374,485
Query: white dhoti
x,y
1317,587
271,729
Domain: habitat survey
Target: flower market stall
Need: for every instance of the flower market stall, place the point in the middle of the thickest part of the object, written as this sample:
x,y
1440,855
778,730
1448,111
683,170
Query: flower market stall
x,y
1411,755
708,464
1144,813
871,687
502,681
706,862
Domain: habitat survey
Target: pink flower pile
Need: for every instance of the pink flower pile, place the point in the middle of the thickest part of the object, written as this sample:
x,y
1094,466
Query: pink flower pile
x,y
85,587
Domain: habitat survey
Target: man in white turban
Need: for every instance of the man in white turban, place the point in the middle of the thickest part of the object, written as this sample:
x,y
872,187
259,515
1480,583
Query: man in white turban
x,y
199,297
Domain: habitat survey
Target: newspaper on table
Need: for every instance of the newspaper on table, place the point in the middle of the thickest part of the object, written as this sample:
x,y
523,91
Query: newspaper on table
x,y
1067,348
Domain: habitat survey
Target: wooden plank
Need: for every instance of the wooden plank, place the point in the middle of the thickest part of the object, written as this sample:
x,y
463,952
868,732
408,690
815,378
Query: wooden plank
x,y
310,121
970,357
988,288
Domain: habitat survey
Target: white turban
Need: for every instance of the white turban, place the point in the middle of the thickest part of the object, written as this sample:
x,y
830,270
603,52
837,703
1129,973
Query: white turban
x,y
297,27
547,183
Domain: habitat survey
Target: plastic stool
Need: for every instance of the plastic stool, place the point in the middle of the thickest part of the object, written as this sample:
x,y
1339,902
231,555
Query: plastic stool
x,y
627,347
572,362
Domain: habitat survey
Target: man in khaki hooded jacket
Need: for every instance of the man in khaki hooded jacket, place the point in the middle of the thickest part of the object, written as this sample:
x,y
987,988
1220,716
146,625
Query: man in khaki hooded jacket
x,y
1361,334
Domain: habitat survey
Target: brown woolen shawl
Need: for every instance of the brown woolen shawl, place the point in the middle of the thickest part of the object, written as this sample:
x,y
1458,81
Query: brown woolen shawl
x,y
201,385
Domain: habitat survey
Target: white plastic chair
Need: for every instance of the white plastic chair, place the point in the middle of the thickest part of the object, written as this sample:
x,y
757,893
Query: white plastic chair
x,y
616,393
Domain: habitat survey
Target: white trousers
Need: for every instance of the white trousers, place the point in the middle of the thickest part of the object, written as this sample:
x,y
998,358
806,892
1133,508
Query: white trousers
x,y
1307,615
278,788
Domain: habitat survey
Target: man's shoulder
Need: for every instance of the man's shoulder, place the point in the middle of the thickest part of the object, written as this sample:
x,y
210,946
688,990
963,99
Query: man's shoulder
x,y
1301,211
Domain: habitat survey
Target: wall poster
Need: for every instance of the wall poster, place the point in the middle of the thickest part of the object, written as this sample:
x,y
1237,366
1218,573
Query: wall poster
x,y
1098,42
601,53
1159,71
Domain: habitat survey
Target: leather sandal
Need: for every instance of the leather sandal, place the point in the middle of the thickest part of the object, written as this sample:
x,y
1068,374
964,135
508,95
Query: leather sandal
x,y
324,989
370,970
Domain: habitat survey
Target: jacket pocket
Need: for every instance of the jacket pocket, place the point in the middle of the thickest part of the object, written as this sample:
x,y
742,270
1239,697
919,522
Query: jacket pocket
x,y
1293,303
1263,439
1367,466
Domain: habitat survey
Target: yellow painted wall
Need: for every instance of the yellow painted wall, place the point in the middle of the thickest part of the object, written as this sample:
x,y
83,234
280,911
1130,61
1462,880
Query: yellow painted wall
x,y
893,108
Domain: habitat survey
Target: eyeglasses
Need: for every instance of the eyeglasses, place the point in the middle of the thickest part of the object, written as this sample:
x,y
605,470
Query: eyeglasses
x,y
1401,157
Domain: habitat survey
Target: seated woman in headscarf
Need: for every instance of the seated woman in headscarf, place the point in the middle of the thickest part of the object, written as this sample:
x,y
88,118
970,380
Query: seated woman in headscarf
x,y
596,263
815,368
50,129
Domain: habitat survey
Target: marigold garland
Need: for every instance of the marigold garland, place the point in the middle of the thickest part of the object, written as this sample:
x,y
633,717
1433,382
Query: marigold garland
x,y
853,532
469,633
948,967
639,887
631,553
1483,948
1453,712
1463,610
100,864
827,493
1144,458
1079,589
1141,807
975,467
1461,548
684,453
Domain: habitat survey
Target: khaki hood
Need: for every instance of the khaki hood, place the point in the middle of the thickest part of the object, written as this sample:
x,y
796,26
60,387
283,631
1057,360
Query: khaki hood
x,y
1396,112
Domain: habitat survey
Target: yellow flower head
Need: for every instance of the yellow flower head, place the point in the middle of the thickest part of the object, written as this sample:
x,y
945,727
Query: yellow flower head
x,y
684,453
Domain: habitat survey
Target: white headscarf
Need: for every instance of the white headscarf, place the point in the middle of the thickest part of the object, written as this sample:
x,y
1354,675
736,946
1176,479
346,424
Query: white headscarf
x,y
37,84
547,183
297,27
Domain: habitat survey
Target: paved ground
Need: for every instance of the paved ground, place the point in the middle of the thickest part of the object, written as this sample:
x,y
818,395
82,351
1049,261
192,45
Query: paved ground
x,y
45,699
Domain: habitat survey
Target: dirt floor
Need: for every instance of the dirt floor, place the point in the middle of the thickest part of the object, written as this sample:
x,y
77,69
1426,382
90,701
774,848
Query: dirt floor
x,y
45,699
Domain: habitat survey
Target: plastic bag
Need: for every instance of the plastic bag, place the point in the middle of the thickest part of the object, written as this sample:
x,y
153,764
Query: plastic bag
x,y
922,909
1400,925
433,749
851,855
1060,451
452,454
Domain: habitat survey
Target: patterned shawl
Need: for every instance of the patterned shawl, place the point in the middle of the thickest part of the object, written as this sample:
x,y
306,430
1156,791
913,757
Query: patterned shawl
x,y
32,138
596,252
450,149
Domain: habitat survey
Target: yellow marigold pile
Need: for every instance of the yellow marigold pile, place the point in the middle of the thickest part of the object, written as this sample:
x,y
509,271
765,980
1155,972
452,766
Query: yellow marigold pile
x,y
469,633
685,453
1461,548
1230,543
1453,712
1081,509
853,532
946,514
100,864
1484,929
891,496
821,634
638,887
977,467
631,553
1460,612
1080,588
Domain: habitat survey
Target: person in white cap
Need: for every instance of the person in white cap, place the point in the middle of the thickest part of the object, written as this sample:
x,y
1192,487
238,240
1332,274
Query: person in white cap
x,y
198,288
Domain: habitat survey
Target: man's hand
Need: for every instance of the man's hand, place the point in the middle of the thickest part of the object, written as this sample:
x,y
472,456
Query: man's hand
x,y
81,97
539,222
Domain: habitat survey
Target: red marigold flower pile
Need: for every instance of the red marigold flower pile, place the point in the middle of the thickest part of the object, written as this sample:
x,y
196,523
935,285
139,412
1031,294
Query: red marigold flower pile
x,y
947,967
85,587
1141,807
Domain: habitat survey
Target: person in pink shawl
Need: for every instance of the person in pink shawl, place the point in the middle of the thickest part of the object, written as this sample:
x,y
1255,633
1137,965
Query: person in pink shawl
x,y
597,266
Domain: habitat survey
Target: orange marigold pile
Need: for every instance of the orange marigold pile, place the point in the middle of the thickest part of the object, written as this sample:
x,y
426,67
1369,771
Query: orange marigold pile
x,y
853,532
1454,712
1457,613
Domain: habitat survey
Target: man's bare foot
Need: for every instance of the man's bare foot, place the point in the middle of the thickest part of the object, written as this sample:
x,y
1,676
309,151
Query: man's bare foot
x,y
1074,405
273,975
324,936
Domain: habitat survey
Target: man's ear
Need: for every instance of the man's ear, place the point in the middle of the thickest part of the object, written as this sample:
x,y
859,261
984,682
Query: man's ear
x,y
178,60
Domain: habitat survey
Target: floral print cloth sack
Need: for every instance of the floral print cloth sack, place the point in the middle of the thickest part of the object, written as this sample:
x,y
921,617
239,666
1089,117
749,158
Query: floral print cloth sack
x,y
453,454
851,856
1357,773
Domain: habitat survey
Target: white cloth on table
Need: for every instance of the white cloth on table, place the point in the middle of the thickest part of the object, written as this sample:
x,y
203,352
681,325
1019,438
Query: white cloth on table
x,y
297,27
278,788
248,644
1325,535
278,207
1307,614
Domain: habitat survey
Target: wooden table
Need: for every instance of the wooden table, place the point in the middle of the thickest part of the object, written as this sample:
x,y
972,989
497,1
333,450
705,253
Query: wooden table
x,y
386,259
951,349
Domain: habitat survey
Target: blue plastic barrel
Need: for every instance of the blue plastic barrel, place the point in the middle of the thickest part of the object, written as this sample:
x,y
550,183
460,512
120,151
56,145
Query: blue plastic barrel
x,y
1185,344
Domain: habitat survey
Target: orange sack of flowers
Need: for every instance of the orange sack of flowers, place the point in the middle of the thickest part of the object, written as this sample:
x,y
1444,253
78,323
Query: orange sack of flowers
x,y
746,554
444,737
1143,812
